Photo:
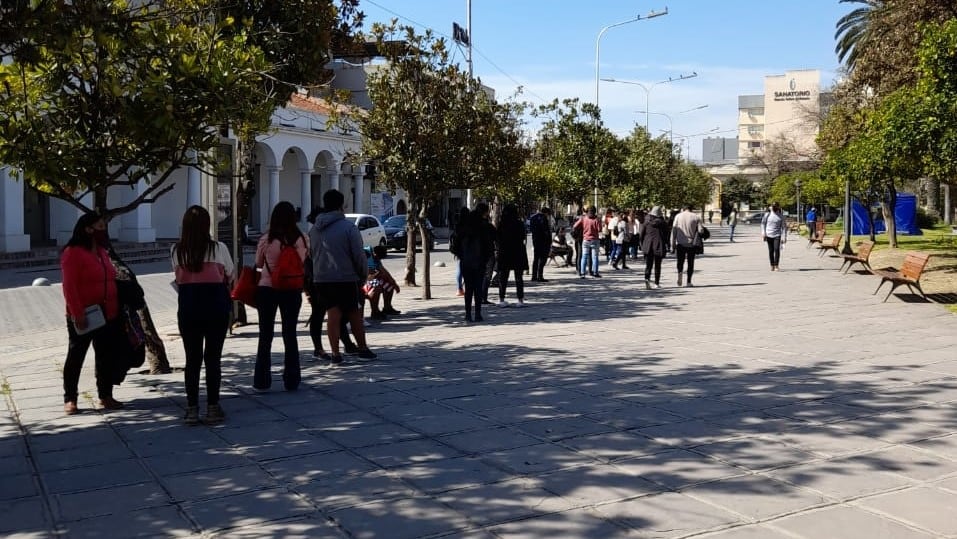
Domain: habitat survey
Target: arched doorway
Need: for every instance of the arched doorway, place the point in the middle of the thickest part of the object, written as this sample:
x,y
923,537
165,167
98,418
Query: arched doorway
x,y
400,208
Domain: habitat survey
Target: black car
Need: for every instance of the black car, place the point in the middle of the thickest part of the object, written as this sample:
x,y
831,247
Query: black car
x,y
755,218
395,233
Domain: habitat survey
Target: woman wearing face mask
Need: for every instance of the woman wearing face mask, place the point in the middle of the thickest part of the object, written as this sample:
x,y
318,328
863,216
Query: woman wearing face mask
x,y
89,279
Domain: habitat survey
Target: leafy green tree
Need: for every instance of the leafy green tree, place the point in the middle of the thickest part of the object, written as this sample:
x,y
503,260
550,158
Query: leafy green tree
x,y
582,153
432,128
735,191
853,31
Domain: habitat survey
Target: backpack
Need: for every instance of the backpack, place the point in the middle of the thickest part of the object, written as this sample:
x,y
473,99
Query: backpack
x,y
290,274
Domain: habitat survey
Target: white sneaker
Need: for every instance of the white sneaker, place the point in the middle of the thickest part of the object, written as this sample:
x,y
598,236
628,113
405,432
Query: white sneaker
x,y
680,279
657,286
647,284
503,303
520,304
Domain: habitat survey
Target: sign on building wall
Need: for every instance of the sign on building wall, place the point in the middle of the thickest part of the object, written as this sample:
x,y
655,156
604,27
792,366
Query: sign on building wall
x,y
792,93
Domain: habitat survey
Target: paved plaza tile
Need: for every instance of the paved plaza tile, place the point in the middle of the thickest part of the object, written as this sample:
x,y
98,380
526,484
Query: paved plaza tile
x,y
602,410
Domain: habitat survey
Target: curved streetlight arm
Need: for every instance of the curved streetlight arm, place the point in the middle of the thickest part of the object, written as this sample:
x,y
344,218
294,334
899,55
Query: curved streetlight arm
x,y
651,86
671,123
651,15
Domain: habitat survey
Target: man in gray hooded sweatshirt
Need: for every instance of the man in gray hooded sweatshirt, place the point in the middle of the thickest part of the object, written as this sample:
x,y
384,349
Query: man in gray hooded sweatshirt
x,y
339,266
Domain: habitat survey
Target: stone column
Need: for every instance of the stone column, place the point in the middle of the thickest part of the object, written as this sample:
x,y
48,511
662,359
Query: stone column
x,y
273,188
305,192
359,202
137,225
12,238
334,178
194,185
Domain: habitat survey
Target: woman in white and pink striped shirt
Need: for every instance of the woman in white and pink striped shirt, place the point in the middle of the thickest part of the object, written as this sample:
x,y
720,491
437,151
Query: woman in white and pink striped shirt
x,y
204,273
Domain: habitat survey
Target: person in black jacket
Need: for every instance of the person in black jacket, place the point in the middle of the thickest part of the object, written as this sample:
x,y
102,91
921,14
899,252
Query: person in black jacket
x,y
512,256
541,242
473,247
654,245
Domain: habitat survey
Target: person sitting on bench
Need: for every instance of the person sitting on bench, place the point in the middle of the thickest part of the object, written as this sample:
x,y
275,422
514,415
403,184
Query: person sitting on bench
x,y
560,247
380,283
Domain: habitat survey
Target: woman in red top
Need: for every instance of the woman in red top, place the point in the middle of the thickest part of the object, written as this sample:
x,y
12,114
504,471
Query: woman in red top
x,y
89,278
272,297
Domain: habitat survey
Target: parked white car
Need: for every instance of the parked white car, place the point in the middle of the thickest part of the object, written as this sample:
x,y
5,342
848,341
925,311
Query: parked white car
x,y
369,227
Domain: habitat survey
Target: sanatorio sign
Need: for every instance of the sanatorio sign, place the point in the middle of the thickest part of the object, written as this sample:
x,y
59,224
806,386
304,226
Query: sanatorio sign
x,y
792,94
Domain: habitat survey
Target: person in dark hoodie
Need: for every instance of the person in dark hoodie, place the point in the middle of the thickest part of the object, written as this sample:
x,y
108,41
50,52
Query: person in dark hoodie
x,y
339,263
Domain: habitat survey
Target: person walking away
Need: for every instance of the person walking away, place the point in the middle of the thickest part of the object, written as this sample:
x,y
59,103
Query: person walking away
x,y
774,231
732,222
634,224
685,235
653,245
810,220
710,216
280,254
512,255
590,230
92,312
611,232
204,274
338,263
474,249
622,239
541,242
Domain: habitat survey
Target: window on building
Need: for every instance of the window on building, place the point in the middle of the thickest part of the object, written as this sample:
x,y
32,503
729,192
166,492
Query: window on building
x,y
755,130
754,144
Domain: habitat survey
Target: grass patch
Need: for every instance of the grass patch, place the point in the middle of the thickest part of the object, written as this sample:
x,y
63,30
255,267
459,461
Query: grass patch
x,y
5,388
937,240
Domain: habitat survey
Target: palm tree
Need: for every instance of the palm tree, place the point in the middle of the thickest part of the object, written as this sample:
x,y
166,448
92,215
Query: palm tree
x,y
854,29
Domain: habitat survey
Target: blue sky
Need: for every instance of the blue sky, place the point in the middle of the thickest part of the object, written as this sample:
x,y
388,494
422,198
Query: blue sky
x,y
548,48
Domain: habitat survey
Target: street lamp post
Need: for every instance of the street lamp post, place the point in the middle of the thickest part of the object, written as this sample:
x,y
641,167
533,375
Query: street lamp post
x,y
688,138
797,194
651,14
648,89
671,124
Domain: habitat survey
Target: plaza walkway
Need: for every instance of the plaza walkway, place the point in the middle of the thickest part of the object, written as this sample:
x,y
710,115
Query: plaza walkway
x,y
756,405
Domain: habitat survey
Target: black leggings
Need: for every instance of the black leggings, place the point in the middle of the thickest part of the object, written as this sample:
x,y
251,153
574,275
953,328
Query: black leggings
x,y
104,342
774,250
288,303
652,260
473,279
688,252
503,283
195,332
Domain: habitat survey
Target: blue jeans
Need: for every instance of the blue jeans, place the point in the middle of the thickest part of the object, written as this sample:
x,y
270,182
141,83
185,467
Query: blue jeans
x,y
731,237
589,252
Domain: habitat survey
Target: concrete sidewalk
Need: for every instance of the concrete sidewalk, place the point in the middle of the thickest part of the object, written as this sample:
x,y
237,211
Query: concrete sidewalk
x,y
756,405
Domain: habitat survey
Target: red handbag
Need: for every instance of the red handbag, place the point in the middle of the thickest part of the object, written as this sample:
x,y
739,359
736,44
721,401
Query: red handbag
x,y
245,288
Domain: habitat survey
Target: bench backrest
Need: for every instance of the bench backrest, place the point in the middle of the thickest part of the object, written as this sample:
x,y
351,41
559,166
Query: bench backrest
x,y
914,264
836,240
819,228
864,251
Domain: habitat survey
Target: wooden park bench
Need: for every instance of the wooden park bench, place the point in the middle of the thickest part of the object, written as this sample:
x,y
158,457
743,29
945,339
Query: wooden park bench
x,y
820,229
862,256
831,244
909,274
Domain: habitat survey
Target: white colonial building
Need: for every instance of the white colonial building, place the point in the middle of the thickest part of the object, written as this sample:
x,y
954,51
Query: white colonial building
x,y
297,161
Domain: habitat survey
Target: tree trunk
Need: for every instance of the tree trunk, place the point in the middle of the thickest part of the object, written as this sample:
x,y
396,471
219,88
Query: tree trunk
x,y
887,207
426,264
932,187
410,218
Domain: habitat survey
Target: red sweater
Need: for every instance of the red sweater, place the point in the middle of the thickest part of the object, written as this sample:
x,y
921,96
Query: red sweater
x,y
89,278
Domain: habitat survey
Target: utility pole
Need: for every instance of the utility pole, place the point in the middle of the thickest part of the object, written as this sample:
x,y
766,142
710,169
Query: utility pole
x,y
468,29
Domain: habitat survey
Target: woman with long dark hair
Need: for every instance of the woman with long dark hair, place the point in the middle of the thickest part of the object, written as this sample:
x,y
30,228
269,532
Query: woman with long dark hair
x,y
475,246
273,295
204,273
89,288
654,245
